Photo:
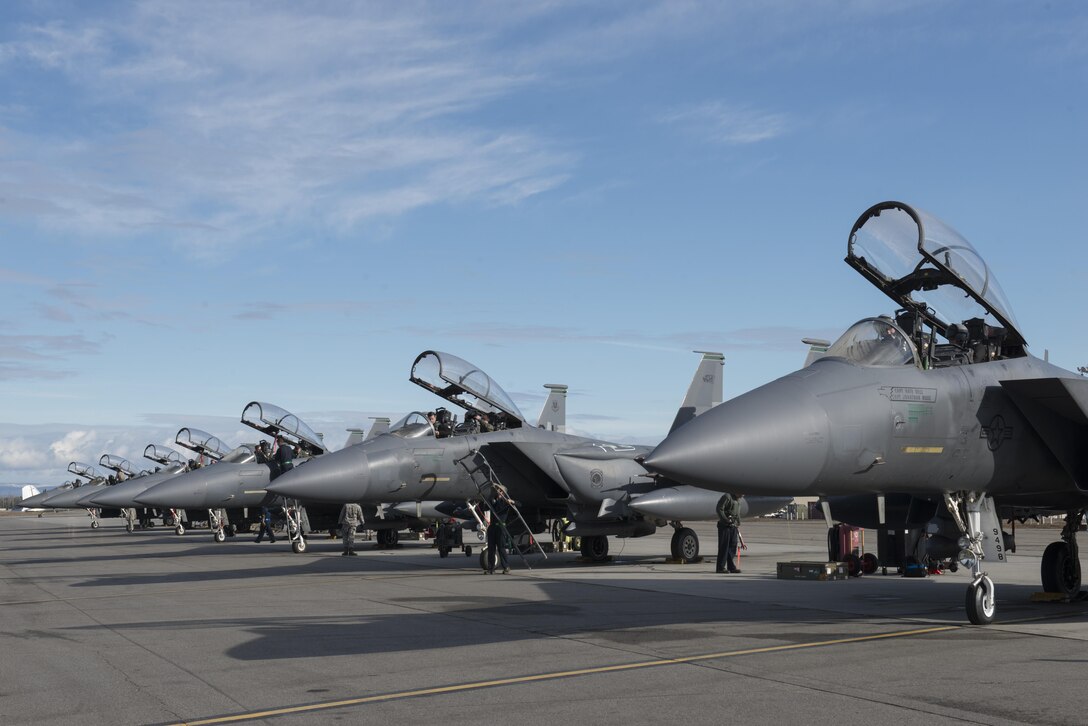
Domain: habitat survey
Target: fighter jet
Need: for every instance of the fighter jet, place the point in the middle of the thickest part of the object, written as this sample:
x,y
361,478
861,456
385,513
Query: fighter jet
x,y
123,494
943,402
88,479
236,484
549,474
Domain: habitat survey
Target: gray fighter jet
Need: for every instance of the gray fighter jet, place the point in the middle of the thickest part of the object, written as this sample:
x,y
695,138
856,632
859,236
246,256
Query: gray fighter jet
x,y
233,490
549,474
942,403
123,494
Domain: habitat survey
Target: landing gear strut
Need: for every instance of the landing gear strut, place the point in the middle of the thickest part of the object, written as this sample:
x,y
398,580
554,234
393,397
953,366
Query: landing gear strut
x,y
294,527
1060,570
217,524
967,509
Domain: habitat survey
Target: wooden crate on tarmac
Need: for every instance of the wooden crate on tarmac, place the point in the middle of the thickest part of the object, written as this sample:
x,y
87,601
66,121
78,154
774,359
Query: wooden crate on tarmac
x,y
813,571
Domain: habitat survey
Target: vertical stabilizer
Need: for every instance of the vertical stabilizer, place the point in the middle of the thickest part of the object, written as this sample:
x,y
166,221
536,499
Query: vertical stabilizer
x,y
29,490
379,427
705,391
817,348
355,436
554,414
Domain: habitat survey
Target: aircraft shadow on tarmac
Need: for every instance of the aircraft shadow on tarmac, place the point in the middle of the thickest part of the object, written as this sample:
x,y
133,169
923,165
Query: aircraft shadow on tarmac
x,y
639,618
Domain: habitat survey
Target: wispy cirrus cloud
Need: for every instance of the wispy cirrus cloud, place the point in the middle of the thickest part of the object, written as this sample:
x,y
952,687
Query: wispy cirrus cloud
x,y
732,125
247,118
25,357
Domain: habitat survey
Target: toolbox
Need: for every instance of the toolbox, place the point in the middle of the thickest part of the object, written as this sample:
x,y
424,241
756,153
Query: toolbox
x,y
813,571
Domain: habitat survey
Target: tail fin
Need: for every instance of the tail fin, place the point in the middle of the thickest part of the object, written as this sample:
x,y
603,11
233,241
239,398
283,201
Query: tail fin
x,y
817,348
379,427
705,391
554,414
355,436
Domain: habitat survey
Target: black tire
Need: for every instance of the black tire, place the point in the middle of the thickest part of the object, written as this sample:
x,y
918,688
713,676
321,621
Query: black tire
x,y
220,535
483,559
674,545
94,525
1060,571
393,537
179,530
980,607
596,547
870,563
298,546
687,544
853,564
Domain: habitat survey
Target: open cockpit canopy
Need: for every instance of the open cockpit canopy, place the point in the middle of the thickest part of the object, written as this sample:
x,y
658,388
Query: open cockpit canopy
x,y
465,385
931,271
87,471
275,421
202,443
163,455
119,465
241,454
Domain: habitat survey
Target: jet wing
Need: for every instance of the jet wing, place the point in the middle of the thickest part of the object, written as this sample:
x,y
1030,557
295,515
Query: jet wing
x,y
1057,409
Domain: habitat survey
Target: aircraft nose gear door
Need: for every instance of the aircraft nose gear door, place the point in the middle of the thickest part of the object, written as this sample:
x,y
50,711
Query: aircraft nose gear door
x,y
976,518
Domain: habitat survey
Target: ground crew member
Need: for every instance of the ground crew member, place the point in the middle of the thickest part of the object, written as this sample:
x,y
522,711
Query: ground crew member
x,y
351,516
728,533
266,526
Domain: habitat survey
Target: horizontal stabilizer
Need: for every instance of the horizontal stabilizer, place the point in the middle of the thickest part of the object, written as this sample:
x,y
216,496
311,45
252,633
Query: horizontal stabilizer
x,y
1057,408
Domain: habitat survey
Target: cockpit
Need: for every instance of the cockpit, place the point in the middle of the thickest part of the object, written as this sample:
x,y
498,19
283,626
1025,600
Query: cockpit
x,y
943,286
875,342
163,455
202,443
467,386
413,426
275,421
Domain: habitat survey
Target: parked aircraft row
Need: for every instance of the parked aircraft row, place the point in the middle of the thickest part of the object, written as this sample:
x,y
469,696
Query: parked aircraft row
x,y
934,418
419,470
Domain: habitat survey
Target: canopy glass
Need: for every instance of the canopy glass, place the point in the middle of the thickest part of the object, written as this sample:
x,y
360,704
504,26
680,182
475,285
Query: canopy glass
x,y
462,383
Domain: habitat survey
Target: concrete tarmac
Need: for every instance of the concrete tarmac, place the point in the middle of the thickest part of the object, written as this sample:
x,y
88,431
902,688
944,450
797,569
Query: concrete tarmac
x,y
105,627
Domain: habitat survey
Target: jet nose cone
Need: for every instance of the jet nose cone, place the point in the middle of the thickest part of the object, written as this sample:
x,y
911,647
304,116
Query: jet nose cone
x,y
341,476
773,440
187,491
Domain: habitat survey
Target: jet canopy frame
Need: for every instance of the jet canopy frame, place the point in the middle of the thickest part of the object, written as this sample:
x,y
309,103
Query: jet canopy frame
x,y
119,465
904,251
162,455
275,421
413,426
87,471
463,384
202,443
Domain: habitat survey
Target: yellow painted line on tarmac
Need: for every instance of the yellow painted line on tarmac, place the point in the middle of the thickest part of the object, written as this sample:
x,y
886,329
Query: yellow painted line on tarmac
x,y
477,685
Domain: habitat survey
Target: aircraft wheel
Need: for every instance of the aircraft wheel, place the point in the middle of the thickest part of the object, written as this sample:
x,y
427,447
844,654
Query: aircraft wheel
x,y
980,601
685,544
595,547
870,563
179,530
853,564
483,560
443,552
94,525
674,548
1060,571
220,535
299,546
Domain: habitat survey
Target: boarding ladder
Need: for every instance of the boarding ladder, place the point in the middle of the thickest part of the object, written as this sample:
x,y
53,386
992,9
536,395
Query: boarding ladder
x,y
482,474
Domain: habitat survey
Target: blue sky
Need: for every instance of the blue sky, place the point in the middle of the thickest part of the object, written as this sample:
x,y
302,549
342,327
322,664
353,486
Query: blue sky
x,y
202,204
